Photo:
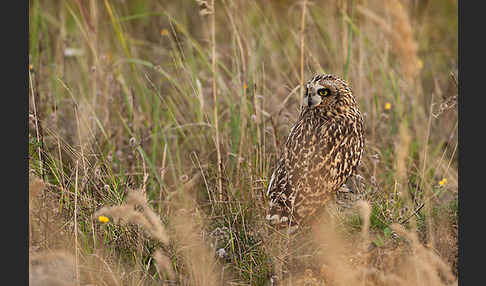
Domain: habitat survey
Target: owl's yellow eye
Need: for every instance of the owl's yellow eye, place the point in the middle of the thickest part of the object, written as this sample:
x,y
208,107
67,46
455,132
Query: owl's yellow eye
x,y
323,91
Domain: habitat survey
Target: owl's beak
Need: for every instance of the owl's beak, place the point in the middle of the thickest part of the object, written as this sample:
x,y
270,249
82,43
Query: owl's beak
x,y
313,100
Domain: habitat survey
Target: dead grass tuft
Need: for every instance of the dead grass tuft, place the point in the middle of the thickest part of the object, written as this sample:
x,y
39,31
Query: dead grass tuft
x,y
36,186
52,268
187,225
423,266
164,265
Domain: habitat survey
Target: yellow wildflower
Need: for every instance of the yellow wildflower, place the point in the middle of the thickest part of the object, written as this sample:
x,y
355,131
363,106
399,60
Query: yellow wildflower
x,y
103,219
108,56
164,32
387,106
442,182
420,64
31,67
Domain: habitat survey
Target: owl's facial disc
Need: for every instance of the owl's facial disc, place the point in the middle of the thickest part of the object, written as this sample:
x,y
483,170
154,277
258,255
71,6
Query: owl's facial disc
x,y
316,94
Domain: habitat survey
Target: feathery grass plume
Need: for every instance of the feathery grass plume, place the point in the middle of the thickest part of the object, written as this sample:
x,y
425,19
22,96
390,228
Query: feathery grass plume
x,y
126,213
424,266
400,32
198,260
147,219
404,44
334,255
52,248
163,265
186,225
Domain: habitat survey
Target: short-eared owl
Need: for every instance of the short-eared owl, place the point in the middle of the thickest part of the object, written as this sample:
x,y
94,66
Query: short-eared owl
x,y
323,149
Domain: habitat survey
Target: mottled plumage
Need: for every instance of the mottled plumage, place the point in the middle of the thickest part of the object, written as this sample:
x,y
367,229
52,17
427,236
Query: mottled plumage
x,y
322,150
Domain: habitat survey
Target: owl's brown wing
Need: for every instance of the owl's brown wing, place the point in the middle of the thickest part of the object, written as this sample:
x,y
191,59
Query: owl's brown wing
x,y
278,192
283,187
338,155
314,163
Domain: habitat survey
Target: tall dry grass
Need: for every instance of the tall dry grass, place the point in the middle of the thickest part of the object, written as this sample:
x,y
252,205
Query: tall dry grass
x,y
351,262
189,102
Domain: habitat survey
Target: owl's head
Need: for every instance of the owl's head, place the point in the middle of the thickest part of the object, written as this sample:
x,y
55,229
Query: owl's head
x,y
328,92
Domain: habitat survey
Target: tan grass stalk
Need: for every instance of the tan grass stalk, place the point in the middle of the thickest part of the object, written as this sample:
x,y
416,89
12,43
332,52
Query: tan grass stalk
x,y
36,122
81,136
365,211
162,175
204,177
61,181
302,47
257,120
402,150
93,38
244,86
201,99
76,264
215,98
144,169
36,186
425,184
343,7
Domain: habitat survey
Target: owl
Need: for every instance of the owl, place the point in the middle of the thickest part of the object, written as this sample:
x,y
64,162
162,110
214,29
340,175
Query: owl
x,y
323,149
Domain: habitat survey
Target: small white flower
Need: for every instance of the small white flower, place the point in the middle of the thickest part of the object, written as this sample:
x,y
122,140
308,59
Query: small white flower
x,y
221,253
72,52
